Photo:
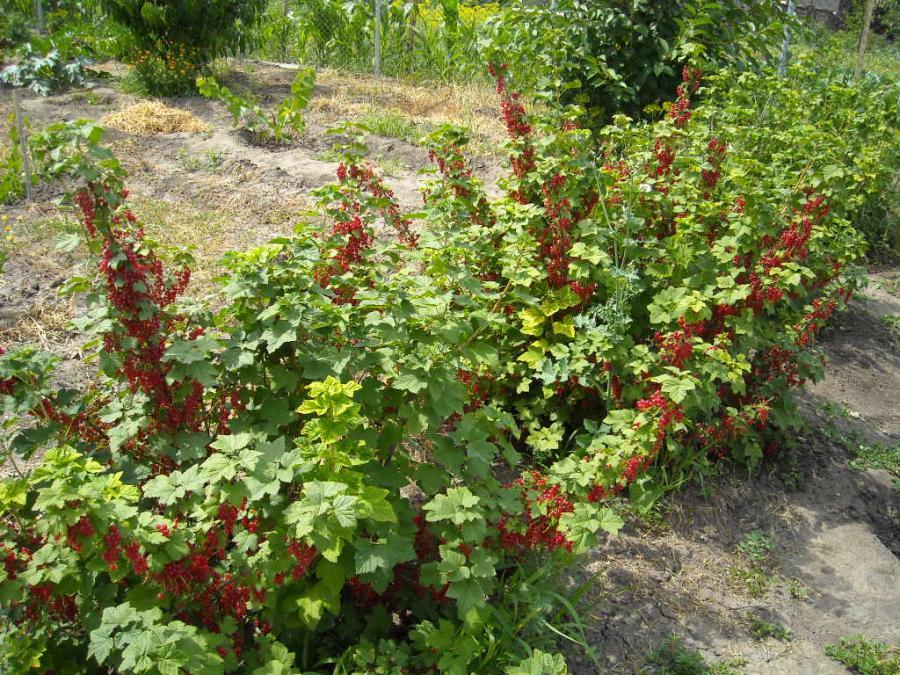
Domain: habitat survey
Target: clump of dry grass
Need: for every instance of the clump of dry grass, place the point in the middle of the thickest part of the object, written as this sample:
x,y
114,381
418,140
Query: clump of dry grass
x,y
148,118
473,105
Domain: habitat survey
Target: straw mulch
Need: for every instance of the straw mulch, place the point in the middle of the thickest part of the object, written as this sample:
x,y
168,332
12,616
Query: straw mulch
x,y
153,117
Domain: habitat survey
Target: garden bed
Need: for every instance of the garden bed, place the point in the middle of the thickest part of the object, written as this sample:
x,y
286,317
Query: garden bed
x,y
823,538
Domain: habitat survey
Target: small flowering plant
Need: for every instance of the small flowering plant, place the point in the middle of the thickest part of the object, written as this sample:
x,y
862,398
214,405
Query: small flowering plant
x,y
393,434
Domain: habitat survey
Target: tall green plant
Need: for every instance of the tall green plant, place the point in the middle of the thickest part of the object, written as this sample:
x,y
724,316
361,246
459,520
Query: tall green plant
x,y
277,125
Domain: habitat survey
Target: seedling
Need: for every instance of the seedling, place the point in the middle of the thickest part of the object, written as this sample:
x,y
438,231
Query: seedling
x,y
762,629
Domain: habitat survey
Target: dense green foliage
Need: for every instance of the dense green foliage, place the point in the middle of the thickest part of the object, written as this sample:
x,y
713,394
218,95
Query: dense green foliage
x,y
45,69
13,25
866,657
822,119
621,56
12,179
381,448
430,39
169,42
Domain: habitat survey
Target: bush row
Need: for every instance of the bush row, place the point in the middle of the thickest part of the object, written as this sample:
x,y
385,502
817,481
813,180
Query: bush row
x,y
377,454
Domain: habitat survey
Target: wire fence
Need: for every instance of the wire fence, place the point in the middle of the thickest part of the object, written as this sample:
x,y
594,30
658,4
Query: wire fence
x,y
427,39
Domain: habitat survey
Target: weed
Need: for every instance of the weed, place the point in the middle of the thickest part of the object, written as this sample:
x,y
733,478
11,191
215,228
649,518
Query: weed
x,y
756,546
866,454
794,476
754,576
865,656
893,325
876,456
890,284
394,125
89,97
390,166
762,629
281,125
756,581
209,161
797,590
674,658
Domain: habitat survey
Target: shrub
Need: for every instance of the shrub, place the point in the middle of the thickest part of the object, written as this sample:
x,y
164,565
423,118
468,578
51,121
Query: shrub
x,y
45,69
169,43
377,454
621,56
13,26
263,125
823,120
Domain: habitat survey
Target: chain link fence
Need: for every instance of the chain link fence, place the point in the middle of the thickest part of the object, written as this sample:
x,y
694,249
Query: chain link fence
x,y
427,39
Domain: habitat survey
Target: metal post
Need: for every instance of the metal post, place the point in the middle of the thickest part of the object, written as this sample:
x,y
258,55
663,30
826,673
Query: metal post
x,y
377,38
786,45
23,143
864,39
39,8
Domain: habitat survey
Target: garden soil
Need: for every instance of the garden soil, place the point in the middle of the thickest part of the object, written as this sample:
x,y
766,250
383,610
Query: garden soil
x,y
834,531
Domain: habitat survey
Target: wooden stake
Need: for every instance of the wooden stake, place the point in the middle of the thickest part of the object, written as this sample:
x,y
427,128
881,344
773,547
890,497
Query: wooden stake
x,y
23,143
377,38
864,39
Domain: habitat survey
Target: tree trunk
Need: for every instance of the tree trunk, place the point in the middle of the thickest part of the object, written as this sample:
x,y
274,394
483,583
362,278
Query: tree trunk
x,y
864,39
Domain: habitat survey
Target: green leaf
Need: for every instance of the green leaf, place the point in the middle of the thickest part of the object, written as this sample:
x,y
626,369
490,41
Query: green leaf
x,y
540,663
457,506
218,468
410,381
532,321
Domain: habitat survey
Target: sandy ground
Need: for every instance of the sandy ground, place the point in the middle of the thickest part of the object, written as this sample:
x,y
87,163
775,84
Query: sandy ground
x,y
834,531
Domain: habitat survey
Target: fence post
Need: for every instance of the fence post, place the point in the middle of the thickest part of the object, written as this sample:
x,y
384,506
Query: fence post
x,y
377,38
39,9
786,45
23,143
864,39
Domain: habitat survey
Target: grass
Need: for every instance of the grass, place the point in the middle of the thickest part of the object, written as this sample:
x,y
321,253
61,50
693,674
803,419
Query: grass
x,y
392,124
866,657
674,658
206,234
341,95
